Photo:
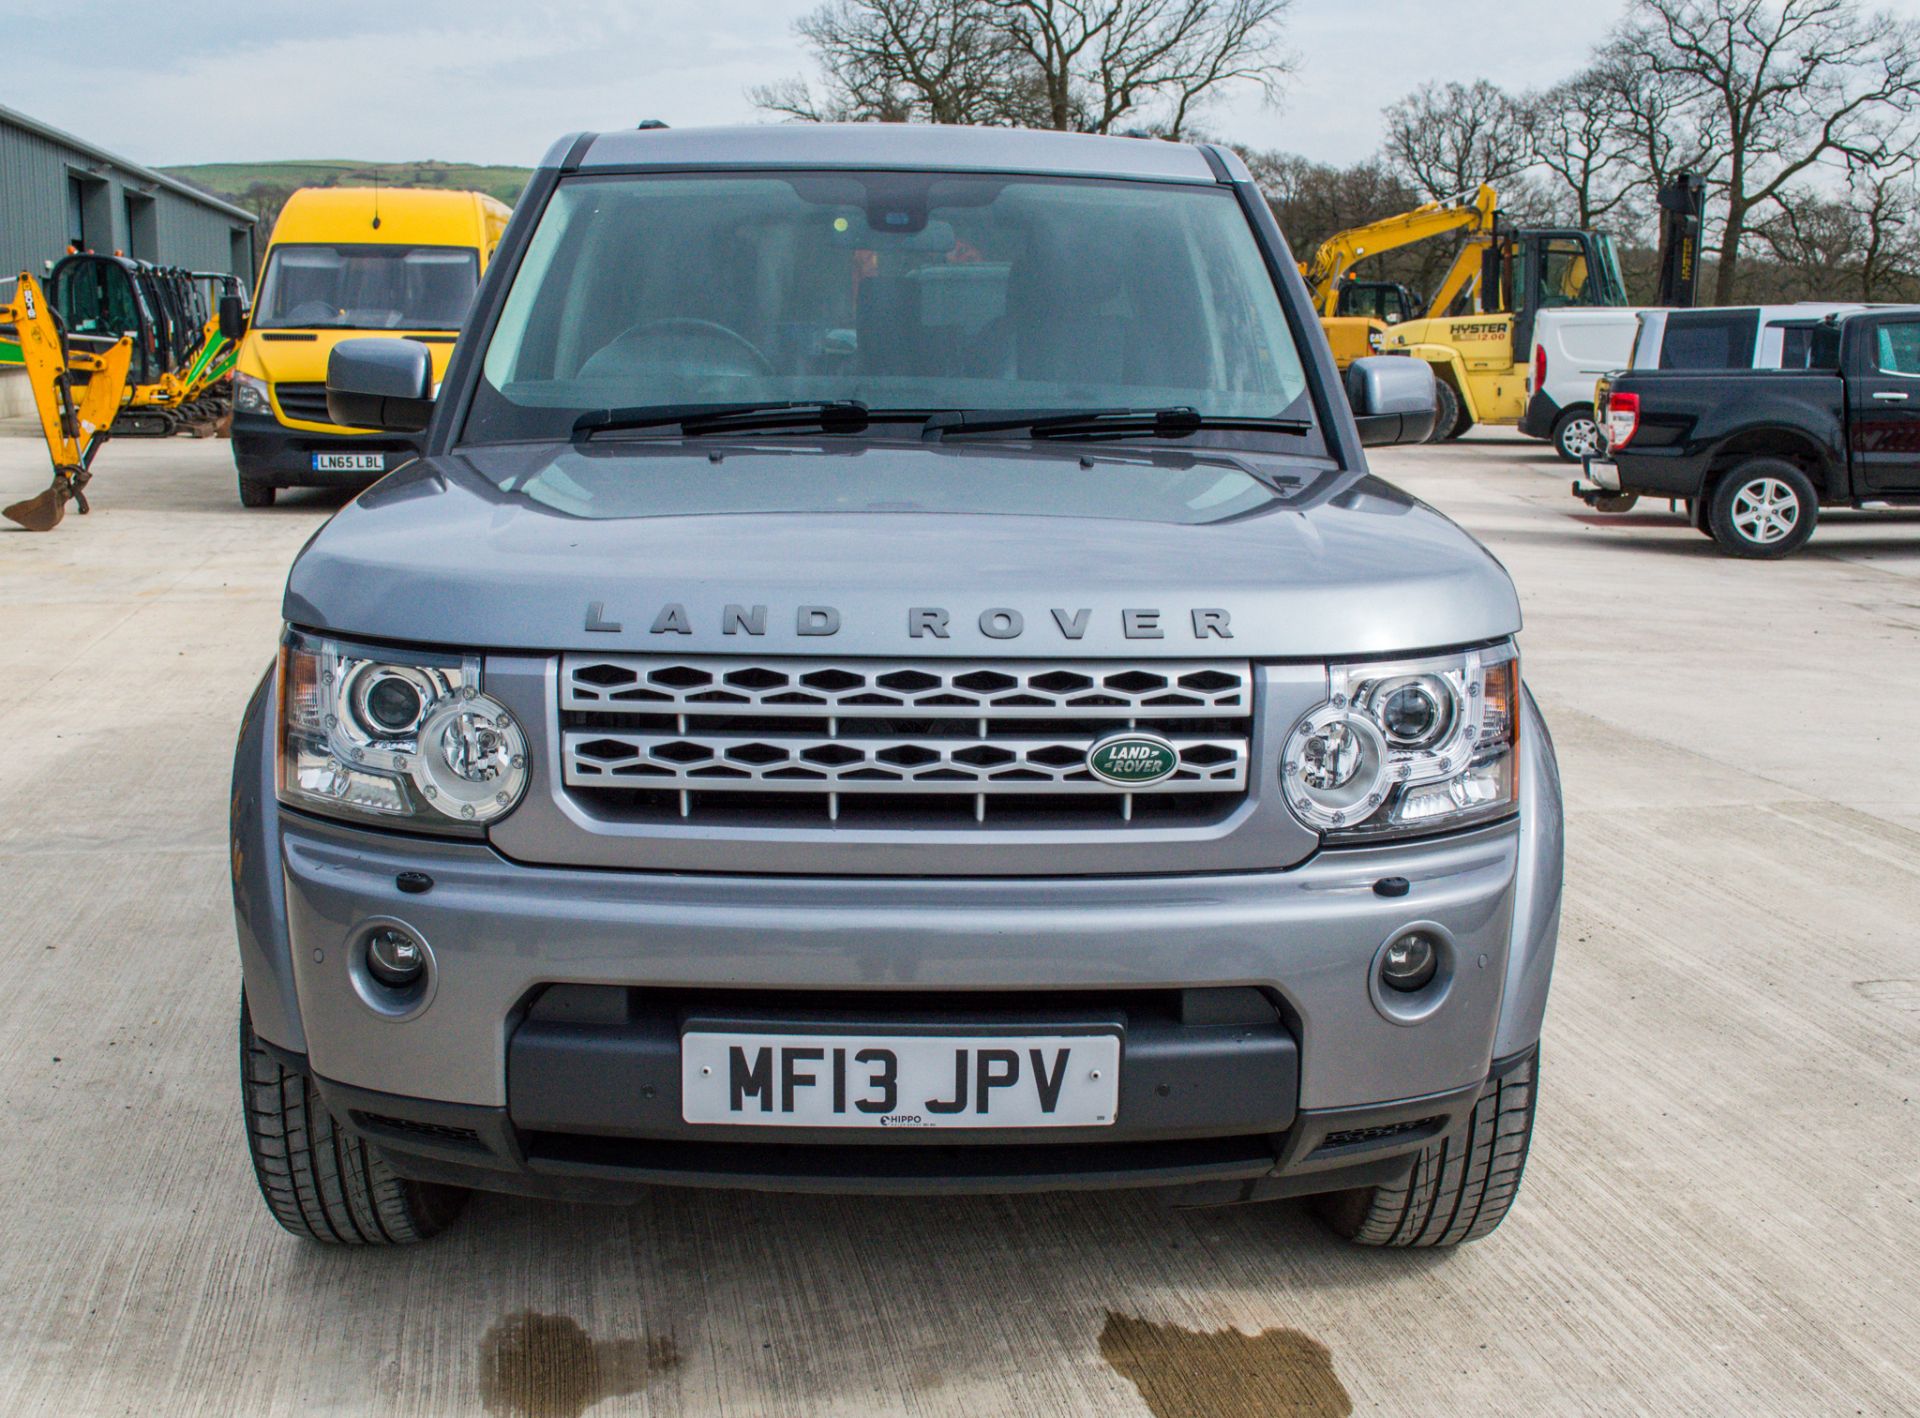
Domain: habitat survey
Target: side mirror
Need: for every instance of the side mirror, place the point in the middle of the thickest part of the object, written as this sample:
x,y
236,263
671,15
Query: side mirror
x,y
233,317
380,383
1393,398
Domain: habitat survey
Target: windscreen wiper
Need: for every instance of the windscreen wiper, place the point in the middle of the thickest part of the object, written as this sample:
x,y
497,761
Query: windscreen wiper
x,y
829,416
1099,423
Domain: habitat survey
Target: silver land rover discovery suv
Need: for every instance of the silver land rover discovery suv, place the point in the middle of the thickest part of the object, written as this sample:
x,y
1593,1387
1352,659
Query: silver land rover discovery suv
x,y
892,674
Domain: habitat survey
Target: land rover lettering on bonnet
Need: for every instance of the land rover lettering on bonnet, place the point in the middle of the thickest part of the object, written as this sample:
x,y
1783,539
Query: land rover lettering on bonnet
x,y
891,674
996,622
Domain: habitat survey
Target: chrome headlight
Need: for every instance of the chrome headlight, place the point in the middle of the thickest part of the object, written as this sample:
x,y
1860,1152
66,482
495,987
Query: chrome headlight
x,y
399,738
1408,746
250,395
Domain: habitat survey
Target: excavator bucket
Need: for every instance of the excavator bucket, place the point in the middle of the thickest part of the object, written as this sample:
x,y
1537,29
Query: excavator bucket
x,y
39,514
44,513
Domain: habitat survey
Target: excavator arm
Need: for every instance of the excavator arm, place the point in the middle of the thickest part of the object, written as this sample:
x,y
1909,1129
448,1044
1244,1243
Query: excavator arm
x,y
1341,252
75,413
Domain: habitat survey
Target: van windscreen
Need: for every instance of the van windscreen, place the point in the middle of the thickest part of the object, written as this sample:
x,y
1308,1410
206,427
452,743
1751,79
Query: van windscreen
x,y
367,287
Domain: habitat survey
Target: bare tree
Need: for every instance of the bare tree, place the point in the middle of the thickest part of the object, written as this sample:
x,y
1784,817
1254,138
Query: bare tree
x,y
1784,89
1580,134
1864,245
1088,65
1099,62
1452,137
901,61
1661,130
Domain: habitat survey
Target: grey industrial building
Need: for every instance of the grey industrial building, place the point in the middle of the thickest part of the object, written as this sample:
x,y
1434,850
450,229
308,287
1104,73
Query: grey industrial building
x,y
55,187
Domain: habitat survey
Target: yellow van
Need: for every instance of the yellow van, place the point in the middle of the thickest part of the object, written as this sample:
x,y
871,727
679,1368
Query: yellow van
x,y
345,262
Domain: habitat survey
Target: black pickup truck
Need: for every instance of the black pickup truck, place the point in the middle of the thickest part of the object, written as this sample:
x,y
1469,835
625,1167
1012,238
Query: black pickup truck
x,y
1756,453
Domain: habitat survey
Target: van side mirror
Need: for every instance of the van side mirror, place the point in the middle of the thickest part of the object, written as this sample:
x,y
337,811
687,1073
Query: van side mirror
x,y
233,318
380,383
1394,399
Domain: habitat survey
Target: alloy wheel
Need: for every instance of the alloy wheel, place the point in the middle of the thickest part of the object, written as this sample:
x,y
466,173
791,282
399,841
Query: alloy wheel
x,y
1765,511
1581,439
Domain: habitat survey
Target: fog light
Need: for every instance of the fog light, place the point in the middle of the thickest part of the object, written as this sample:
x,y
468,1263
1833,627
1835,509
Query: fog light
x,y
395,958
1410,962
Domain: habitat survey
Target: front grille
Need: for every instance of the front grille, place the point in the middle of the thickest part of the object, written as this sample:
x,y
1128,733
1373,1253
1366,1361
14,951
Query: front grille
x,y
306,402
922,743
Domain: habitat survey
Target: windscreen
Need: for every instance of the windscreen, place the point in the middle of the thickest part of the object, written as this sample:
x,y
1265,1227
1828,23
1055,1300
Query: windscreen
x,y
367,287
901,290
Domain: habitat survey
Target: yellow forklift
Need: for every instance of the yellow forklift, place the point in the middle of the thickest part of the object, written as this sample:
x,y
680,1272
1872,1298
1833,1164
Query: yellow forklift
x,y
115,347
1478,329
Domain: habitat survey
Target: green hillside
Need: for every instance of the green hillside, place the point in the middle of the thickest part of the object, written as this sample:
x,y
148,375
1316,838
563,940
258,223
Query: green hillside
x,y
263,187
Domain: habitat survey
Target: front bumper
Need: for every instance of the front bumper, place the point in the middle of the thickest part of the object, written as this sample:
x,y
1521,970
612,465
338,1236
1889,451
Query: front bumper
x,y
1322,1150
481,1087
267,451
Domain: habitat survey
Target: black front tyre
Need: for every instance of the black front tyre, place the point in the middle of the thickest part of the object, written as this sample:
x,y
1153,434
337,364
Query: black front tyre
x,y
1446,411
1765,508
1576,434
1461,1186
319,1181
255,494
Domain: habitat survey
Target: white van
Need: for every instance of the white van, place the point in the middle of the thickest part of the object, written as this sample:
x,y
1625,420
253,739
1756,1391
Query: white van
x,y
1573,348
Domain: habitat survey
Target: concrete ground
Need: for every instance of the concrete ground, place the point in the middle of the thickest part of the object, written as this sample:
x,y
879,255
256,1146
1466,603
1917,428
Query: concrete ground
x,y
1719,1216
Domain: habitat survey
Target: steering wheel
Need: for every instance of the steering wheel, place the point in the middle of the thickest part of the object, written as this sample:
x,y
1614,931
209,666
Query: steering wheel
x,y
690,335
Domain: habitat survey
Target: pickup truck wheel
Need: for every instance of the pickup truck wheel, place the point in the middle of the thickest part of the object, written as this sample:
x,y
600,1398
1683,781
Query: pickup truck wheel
x,y
320,1182
256,494
1446,411
1617,502
1576,434
1765,508
1460,1187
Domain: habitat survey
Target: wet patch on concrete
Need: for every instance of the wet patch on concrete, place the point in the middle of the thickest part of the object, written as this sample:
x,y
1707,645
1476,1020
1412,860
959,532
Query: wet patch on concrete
x,y
547,1366
1222,1373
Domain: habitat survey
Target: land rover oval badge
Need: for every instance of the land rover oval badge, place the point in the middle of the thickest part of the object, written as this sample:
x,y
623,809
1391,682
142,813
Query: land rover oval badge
x,y
1133,760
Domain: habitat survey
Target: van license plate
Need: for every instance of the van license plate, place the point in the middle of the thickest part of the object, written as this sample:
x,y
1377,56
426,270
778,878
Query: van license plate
x,y
900,1080
349,462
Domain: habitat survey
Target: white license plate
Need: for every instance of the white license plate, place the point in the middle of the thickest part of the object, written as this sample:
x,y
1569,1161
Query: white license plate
x,y
349,462
900,1080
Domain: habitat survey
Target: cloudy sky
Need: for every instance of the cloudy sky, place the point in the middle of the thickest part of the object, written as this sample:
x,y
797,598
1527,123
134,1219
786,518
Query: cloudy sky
x,y
497,80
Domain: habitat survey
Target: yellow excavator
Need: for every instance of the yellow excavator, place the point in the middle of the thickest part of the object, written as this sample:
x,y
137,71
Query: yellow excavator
x,y
1357,314
119,348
